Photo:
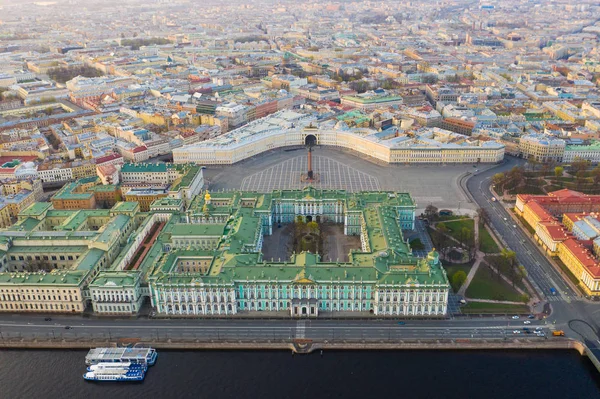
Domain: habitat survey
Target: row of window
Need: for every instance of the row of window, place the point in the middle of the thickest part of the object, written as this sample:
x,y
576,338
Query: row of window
x,y
44,257
23,297
35,306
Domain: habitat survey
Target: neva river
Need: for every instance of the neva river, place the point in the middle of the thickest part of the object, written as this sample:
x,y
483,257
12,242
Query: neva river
x,y
402,374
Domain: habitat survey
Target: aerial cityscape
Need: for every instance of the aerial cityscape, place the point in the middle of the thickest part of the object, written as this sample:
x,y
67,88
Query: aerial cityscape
x,y
356,182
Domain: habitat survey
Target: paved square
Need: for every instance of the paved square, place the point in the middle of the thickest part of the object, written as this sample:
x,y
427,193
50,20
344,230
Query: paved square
x,y
281,169
332,175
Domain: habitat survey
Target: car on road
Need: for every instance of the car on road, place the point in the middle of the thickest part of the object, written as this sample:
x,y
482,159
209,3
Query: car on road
x,y
531,316
48,319
401,323
515,317
527,322
553,290
539,328
516,332
68,327
506,219
514,226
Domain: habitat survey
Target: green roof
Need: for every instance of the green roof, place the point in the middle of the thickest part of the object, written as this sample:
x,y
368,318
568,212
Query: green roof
x,y
143,167
90,259
56,277
373,100
125,206
36,209
198,230
593,146
107,279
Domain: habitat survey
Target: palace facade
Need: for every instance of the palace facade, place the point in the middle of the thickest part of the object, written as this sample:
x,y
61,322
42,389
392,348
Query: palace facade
x,y
208,259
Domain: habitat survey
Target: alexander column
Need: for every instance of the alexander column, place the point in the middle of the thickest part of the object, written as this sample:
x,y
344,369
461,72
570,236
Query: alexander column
x,y
309,174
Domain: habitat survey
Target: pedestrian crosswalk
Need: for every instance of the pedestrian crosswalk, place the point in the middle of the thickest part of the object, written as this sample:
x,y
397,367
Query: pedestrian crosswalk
x,y
301,329
557,298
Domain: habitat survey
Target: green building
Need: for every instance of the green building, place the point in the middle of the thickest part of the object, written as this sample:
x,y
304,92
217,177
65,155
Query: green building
x,y
212,260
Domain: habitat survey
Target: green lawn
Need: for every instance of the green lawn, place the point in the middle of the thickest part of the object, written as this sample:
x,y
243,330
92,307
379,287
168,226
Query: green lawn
x,y
450,217
497,308
486,285
486,242
452,268
505,270
455,227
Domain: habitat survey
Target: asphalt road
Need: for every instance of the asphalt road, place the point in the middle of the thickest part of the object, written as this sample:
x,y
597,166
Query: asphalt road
x,y
567,305
34,326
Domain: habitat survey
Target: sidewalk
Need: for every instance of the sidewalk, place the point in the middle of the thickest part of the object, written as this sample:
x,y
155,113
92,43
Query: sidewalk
x,y
478,259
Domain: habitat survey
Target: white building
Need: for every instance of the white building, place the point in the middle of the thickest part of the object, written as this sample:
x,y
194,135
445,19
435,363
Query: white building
x,y
292,129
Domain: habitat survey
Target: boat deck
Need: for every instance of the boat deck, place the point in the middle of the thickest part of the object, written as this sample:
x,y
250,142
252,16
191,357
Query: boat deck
x,y
136,355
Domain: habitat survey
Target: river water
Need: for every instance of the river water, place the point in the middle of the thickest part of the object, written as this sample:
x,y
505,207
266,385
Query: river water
x,y
229,374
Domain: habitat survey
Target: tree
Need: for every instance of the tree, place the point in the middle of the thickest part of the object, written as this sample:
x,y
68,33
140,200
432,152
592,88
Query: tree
x,y
580,179
431,212
440,237
360,86
441,226
416,244
524,298
498,178
533,163
465,235
510,256
38,265
547,167
510,259
579,165
515,177
484,218
558,171
596,175
458,279
313,227
522,272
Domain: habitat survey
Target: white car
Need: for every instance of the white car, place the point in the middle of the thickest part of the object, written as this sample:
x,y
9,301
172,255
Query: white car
x,y
527,322
516,332
539,328
505,219
515,317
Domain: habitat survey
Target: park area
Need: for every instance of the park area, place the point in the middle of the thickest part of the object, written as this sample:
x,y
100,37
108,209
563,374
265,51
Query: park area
x,y
486,275
542,178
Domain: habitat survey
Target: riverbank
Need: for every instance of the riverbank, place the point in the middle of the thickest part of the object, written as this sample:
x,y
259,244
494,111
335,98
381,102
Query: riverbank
x,y
304,345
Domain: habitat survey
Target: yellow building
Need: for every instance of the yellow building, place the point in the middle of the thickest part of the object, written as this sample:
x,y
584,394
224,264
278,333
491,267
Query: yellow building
x,y
581,262
5,216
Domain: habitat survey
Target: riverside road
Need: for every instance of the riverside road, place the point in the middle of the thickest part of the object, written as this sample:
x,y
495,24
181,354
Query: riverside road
x,y
36,327
567,305
578,317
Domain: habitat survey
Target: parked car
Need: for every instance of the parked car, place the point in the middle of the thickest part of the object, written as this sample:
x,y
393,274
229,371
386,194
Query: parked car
x,y
515,317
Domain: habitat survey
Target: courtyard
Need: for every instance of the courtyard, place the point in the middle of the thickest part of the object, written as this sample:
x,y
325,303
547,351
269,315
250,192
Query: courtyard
x,y
336,245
